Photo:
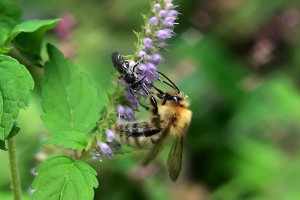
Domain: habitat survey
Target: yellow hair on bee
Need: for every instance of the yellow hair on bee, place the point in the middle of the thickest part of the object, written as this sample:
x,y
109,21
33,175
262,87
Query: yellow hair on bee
x,y
175,113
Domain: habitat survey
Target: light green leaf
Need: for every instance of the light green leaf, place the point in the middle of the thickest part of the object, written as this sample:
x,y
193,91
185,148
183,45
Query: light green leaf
x,y
31,26
15,85
63,178
68,139
70,101
28,36
9,16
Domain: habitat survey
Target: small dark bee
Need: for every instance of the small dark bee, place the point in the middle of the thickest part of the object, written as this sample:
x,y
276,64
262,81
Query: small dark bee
x,y
130,76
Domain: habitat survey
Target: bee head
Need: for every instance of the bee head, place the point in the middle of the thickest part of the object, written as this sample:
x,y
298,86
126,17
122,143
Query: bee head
x,y
174,97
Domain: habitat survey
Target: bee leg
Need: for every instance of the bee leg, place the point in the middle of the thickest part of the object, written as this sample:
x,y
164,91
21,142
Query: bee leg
x,y
153,102
152,99
136,64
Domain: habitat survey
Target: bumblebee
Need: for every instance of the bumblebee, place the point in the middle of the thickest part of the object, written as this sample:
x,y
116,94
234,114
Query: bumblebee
x,y
171,117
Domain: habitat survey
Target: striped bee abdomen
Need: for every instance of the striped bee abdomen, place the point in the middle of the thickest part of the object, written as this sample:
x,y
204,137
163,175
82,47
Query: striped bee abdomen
x,y
138,134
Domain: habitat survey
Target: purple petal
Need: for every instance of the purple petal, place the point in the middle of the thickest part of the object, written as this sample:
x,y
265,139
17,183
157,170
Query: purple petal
x,y
162,13
169,21
154,21
169,6
156,58
148,43
131,98
120,110
157,6
110,135
142,54
172,13
105,149
164,33
129,113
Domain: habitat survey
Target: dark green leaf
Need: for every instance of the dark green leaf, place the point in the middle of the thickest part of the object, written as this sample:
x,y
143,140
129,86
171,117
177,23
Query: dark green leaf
x,y
14,131
2,145
70,101
28,37
64,178
68,139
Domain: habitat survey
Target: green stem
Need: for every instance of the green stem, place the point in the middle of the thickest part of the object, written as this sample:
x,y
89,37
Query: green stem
x,y
16,185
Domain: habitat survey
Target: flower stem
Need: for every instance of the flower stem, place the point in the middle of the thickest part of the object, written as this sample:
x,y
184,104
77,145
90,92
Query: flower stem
x,y
15,177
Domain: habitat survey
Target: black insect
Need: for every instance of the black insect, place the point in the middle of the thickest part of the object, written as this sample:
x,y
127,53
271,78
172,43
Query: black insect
x,y
130,76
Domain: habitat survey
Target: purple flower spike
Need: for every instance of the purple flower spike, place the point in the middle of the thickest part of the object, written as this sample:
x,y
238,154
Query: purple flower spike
x,y
172,13
164,34
120,110
129,113
149,71
131,98
105,149
157,6
148,43
169,21
154,21
162,13
110,135
142,54
169,6
156,58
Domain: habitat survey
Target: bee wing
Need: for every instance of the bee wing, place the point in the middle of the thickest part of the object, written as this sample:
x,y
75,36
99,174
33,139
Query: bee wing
x,y
156,147
175,158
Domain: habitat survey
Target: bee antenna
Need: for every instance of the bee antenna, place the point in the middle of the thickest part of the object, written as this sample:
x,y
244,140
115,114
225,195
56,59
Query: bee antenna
x,y
167,83
158,90
171,84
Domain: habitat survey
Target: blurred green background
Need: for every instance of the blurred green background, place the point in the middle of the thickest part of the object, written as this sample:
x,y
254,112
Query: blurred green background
x,y
239,63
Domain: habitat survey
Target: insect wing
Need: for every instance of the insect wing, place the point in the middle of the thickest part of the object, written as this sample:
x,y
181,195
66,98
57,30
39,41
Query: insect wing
x,y
175,158
156,147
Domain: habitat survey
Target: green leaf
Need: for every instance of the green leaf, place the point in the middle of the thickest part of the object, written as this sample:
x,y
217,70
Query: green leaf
x,y
68,139
32,26
64,178
9,16
28,37
69,100
3,49
15,85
